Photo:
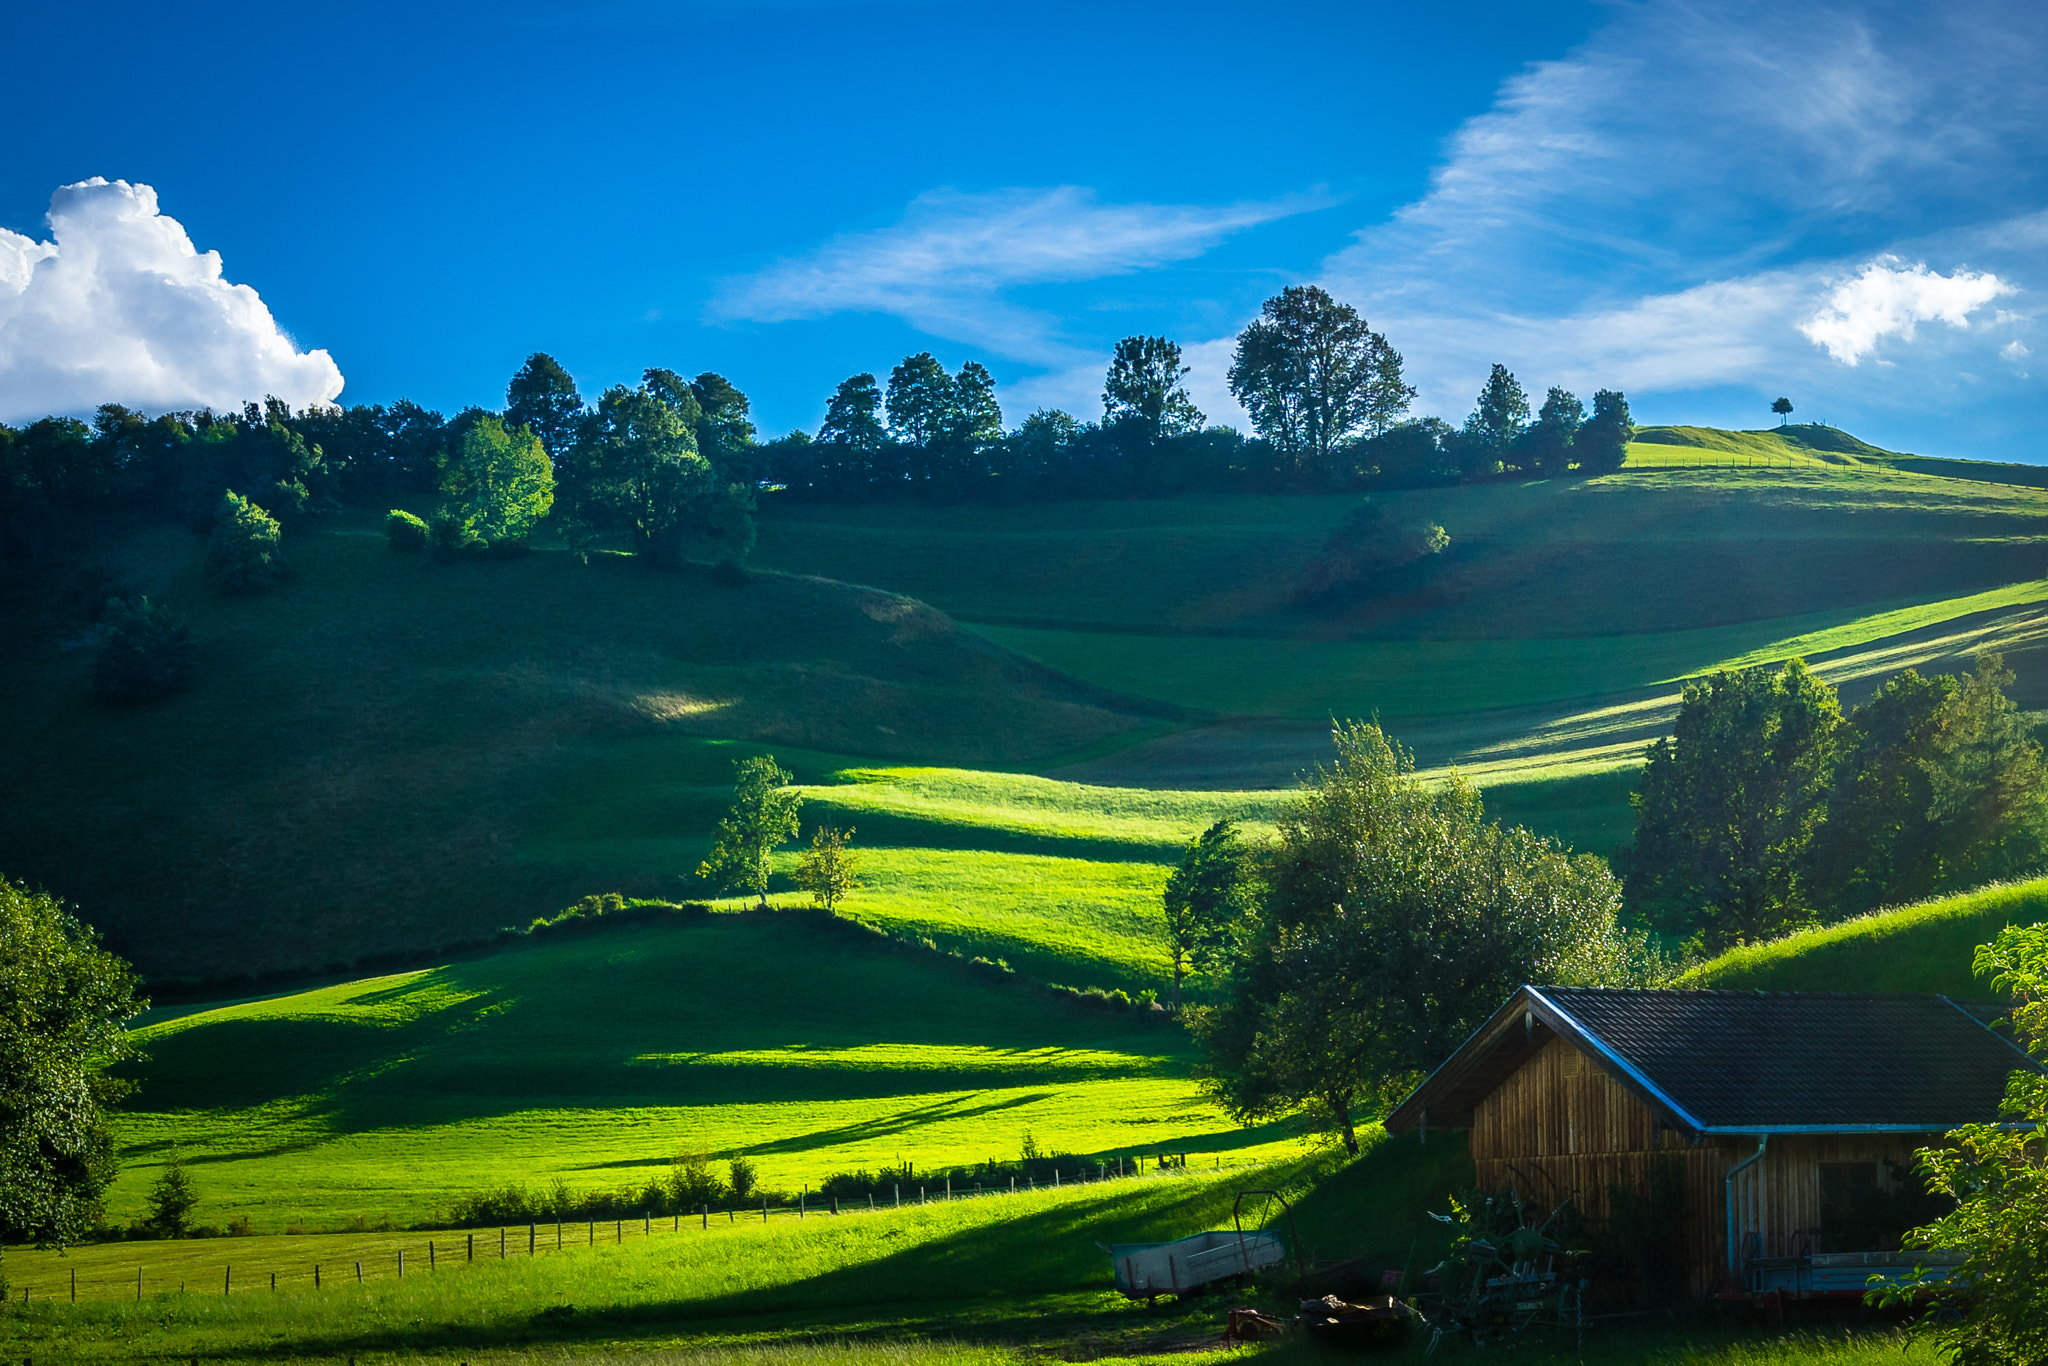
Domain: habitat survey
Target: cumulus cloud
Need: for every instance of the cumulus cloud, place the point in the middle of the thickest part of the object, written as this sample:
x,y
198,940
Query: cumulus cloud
x,y
119,307
1888,299
944,268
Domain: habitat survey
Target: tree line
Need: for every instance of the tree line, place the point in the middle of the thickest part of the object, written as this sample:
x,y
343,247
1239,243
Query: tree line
x,y
1325,393
671,468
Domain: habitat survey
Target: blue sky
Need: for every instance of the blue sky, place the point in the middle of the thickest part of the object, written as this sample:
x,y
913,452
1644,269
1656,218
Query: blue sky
x,y
1706,204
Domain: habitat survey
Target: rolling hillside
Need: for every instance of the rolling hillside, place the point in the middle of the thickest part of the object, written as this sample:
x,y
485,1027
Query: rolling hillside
x,y
598,1055
387,756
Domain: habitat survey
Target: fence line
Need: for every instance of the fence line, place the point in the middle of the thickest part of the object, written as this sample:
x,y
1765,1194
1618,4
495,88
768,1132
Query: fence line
x,y
808,1203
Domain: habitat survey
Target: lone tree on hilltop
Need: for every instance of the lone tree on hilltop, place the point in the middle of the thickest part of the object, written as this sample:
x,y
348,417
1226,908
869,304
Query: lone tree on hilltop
x,y
1783,408
763,814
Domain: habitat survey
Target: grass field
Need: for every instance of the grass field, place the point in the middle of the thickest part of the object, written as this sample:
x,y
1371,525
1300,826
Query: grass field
x,y
388,755
1926,947
596,1056
1005,1279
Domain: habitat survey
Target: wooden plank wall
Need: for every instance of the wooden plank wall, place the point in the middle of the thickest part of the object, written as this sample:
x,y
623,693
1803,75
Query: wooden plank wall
x,y
1563,1126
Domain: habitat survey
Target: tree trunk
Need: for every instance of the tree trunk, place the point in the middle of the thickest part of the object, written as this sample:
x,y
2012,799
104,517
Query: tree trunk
x,y
1340,1109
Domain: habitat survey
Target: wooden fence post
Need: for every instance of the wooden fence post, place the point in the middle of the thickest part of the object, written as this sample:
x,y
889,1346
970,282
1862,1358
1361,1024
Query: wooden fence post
x,y
227,1279
74,1284
401,1264
316,1281
619,1231
707,1216
764,1209
138,1280
359,1273
430,1254
532,1237
472,1247
501,1242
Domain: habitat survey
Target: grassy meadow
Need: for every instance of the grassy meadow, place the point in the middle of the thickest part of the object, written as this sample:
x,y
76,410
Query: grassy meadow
x,y
595,1056
1921,948
1024,713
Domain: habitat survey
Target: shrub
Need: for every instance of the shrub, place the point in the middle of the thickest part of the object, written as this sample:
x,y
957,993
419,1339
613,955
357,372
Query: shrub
x,y
405,532
744,1178
242,555
171,1201
144,654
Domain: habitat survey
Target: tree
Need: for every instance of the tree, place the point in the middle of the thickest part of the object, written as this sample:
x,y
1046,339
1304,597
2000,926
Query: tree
x,y
1783,408
1728,803
1312,375
637,475
1998,1175
725,431
542,398
923,406
242,554
63,1002
172,1200
1144,387
1396,919
1495,426
1878,843
1989,783
145,653
763,814
498,486
828,870
977,417
853,429
1209,895
1602,444
1549,442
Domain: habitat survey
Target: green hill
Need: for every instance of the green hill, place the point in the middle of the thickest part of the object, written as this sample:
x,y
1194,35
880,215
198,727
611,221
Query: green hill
x,y
1926,947
596,1054
368,753
386,755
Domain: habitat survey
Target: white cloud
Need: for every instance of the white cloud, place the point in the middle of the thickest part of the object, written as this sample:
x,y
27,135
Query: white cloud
x,y
945,267
2015,350
1888,299
119,307
1704,185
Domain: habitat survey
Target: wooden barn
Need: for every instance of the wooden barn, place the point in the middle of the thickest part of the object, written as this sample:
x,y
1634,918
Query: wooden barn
x,y
1791,1117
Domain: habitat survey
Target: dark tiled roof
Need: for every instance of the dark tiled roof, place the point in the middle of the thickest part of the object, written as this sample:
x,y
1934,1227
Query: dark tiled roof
x,y
1745,1061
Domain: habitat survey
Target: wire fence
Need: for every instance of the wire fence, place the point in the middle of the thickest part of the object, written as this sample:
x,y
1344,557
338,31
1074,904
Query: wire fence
x,y
285,1262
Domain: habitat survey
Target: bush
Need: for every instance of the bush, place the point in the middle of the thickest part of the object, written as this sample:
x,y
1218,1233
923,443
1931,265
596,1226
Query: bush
x,y
242,555
171,1202
405,532
144,654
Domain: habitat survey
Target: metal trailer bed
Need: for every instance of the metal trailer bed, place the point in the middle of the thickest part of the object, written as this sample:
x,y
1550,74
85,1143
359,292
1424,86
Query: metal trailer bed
x,y
1147,1270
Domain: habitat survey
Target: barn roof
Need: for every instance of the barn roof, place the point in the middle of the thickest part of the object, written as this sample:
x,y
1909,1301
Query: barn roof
x,y
1746,1062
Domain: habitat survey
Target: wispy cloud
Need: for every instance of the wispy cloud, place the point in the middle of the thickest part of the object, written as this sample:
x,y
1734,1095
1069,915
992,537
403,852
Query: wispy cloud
x,y
946,267
1722,192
